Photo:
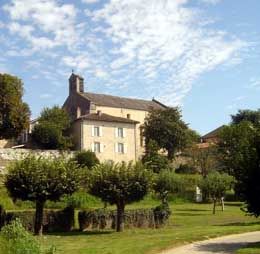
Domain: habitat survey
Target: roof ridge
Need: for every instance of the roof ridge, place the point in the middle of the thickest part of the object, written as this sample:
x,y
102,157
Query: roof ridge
x,y
121,97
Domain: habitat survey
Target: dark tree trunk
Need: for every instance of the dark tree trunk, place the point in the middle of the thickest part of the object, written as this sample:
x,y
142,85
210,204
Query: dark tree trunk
x,y
214,205
38,218
120,216
170,154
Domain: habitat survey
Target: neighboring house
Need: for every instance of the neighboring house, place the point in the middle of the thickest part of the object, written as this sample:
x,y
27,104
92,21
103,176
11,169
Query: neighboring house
x,y
24,138
110,126
211,137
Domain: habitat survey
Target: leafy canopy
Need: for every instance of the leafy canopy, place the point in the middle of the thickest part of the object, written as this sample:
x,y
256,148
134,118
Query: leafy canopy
x,y
252,116
119,183
51,132
168,130
86,159
14,113
41,179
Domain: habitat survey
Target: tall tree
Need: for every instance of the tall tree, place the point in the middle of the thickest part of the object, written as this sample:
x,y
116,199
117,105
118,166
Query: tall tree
x,y
119,184
168,130
239,147
14,113
51,132
252,116
39,180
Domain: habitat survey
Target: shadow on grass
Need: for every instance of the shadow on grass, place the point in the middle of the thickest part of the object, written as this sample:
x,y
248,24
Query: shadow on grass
x,y
240,224
189,214
220,247
80,233
192,210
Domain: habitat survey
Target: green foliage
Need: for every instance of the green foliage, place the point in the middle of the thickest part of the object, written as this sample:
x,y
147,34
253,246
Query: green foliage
x,y
14,113
185,169
203,160
51,131
86,159
114,183
153,160
217,184
119,184
167,182
168,130
40,179
252,116
16,240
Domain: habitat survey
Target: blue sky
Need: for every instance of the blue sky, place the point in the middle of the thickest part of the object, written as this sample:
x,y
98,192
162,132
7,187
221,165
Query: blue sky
x,y
203,55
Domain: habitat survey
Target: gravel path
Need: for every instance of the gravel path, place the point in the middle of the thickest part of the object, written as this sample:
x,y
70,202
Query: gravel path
x,y
221,245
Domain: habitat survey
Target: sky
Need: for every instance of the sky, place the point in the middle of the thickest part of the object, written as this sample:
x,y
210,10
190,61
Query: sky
x,y
200,55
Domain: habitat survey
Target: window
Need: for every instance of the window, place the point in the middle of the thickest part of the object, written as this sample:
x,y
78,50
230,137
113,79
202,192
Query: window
x,y
120,148
97,147
96,131
120,132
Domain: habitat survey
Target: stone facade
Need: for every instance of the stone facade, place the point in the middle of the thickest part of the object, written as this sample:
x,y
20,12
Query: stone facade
x,y
82,107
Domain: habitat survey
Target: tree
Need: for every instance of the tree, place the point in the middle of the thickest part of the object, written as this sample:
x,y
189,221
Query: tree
x,y
86,159
39,180
167,182
217,184
203,159
252,116
239,147
119,184
51,132
153,159
14,113
168,130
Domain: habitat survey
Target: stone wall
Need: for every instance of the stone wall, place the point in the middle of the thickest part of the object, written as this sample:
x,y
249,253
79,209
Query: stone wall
x,y
9,154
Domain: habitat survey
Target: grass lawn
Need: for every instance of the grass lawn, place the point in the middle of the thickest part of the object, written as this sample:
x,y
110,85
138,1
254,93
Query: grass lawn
x,y
250,249
189,222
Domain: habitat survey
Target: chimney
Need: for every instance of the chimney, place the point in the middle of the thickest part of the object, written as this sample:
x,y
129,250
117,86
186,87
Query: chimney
x,y
99,112
128,116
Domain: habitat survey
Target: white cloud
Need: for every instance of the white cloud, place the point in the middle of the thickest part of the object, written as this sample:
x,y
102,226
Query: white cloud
x,y
90,1
254,83
211,1
56,22
159,38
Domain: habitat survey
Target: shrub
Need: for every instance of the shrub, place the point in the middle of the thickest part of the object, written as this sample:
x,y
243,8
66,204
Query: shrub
x,y
185,169
16,240
86,159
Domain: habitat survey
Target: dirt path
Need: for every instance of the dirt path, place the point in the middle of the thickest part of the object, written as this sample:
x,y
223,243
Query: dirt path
x,y
221,245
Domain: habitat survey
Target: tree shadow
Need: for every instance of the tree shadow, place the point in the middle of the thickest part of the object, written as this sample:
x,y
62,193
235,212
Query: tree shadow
x,y
81,233
220,247
240,224
189,214
192,210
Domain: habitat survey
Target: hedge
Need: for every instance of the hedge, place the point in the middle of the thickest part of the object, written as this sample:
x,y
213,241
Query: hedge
x,y
139,218
53,221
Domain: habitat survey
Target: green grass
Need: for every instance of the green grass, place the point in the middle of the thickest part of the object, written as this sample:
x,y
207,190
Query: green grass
x,y
253,248
189,222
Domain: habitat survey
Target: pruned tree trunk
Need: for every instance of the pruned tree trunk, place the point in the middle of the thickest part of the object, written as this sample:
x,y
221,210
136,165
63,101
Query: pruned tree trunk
x,y
222,204
38,218
214,205
120,216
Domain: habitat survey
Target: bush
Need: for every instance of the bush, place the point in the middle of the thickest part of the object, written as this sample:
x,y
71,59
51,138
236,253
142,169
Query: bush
x,y
53,221
86,159
16,240
185,169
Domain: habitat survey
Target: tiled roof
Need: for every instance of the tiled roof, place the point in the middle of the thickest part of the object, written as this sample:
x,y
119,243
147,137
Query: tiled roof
x,y
213,134
106,118
123,102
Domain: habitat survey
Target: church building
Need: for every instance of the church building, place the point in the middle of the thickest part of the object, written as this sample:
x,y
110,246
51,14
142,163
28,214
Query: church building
x,y
110,126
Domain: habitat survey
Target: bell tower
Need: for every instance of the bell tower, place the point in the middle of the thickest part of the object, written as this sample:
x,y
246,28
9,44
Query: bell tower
x,y
76,84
